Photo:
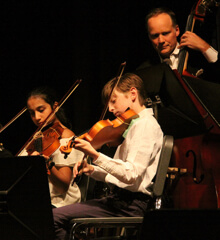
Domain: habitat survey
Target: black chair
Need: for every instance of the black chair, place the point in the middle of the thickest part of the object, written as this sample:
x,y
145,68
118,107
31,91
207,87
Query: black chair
x,y
125,227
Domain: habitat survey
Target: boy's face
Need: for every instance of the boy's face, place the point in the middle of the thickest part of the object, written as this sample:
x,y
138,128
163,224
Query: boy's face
x,y
119,102
162,34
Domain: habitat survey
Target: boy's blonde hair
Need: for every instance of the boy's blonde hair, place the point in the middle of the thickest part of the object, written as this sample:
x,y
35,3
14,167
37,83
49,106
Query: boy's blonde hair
x,y
127,81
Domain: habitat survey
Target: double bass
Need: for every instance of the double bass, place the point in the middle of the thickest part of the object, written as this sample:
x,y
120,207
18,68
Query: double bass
x,y
196,159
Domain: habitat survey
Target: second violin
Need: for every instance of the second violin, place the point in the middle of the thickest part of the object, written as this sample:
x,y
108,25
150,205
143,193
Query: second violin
x,y
105,132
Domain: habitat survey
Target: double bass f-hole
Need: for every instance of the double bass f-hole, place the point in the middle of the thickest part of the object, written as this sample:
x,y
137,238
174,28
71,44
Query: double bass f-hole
x,y
196,179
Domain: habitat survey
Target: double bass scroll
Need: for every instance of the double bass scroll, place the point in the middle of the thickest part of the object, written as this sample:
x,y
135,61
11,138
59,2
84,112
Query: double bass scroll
x,y
198,14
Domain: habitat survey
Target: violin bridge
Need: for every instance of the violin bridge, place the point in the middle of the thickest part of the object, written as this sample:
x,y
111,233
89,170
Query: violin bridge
x,y
38,135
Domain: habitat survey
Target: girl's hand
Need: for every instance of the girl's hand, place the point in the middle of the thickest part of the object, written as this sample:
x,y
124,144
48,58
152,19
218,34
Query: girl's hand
x,y
35,153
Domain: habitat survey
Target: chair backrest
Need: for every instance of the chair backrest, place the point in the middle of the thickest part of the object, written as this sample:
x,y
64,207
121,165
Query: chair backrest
x,y
164,161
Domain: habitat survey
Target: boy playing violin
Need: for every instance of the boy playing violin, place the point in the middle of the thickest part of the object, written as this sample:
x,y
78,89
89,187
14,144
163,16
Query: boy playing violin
x,y
130,173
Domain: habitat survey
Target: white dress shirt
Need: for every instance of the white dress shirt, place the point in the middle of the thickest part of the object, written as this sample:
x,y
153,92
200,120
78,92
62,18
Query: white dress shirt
x,y
135,161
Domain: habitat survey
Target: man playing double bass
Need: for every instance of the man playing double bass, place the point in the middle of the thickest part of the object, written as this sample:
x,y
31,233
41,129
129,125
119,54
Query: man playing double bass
x,y
163,32
178,115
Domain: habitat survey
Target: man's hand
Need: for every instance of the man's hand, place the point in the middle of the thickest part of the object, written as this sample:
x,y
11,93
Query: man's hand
x,y
193,41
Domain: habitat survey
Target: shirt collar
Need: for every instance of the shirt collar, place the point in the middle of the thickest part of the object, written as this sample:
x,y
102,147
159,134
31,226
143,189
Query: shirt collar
x,y
146,111
174,53
176,50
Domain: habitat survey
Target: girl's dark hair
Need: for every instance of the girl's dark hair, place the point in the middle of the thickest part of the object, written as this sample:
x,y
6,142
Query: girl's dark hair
x,y
49,96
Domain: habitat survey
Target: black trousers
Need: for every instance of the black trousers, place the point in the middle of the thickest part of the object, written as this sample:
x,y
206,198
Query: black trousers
x,y
120,203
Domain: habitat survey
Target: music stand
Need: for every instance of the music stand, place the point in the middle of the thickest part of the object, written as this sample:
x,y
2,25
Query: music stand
x,y
177,115
25,205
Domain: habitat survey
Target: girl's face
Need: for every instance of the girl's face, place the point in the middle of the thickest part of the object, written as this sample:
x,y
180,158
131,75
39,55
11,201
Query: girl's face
x,y
119,102
38,109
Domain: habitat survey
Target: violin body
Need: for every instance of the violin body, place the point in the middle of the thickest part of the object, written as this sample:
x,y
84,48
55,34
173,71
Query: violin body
x,y
105,132
104,128
109,132
46,142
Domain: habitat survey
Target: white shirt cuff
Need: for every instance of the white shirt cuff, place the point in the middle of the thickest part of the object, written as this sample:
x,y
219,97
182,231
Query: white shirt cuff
x,y
211,55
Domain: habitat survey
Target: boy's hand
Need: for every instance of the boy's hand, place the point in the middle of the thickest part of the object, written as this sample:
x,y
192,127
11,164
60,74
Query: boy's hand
x,y
82,167
86,147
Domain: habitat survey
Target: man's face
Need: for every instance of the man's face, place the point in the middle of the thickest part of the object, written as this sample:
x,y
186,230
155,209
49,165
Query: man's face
x,y
163,34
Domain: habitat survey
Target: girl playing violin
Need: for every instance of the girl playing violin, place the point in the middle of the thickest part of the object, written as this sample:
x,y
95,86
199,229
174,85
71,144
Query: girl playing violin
x,y
131,171
40,103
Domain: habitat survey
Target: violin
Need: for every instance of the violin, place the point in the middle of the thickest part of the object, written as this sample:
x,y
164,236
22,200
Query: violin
x,y
104,132
46,142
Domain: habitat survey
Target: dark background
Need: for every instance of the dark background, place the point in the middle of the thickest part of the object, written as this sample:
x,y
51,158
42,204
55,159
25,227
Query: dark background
x,y
55,43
